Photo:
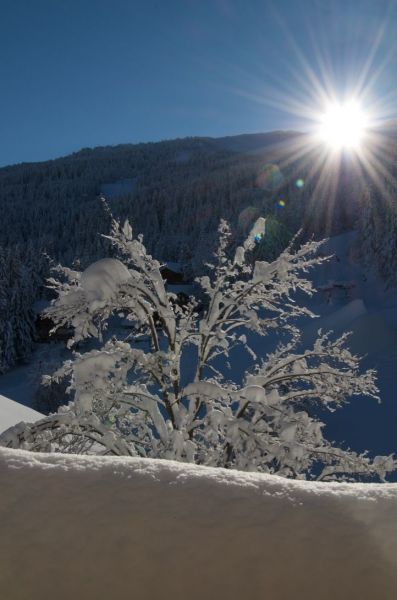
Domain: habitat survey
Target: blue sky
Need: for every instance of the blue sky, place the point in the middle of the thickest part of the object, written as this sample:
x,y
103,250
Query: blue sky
x,y
81,73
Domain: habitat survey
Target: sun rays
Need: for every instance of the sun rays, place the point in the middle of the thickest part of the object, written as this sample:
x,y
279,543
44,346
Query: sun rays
x,y
339,96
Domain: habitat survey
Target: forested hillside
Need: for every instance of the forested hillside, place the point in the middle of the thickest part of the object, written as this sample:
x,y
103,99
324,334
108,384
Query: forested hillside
x,y
174,193
176,186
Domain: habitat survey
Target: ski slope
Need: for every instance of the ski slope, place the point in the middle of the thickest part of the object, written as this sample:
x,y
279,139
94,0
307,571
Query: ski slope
x,y
103,528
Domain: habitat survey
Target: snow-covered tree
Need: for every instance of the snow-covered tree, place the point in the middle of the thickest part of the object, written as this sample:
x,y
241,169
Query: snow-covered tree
x,y
132,399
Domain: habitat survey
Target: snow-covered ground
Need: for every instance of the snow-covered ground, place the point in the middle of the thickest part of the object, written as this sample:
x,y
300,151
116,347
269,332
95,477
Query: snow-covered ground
x,y
359,303
102,528
370,313
12,413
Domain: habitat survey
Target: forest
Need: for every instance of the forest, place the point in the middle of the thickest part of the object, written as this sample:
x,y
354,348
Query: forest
x,y
175,193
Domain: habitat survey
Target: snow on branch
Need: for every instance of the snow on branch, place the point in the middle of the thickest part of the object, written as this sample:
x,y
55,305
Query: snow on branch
x,y
130,400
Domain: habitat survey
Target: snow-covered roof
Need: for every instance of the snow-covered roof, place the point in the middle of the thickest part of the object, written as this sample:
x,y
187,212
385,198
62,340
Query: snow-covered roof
x,y
97,527
12,412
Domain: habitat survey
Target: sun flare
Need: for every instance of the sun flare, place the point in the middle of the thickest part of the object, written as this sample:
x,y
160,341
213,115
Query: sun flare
x,y
343,126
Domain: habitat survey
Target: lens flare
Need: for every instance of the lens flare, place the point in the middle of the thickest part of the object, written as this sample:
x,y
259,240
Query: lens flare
x,y
270,178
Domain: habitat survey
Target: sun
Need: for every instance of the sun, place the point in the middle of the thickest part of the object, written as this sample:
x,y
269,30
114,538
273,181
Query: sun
x,y
343,125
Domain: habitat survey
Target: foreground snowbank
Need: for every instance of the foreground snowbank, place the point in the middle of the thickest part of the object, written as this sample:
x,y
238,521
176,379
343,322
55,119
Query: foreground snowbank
x,y
101,528
12,413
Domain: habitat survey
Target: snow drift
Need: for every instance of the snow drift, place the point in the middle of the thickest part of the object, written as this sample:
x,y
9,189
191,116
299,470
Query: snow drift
x,y
104,528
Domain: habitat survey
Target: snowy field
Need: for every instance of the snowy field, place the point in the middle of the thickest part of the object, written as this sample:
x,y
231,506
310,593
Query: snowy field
x,y
12,413
101,528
